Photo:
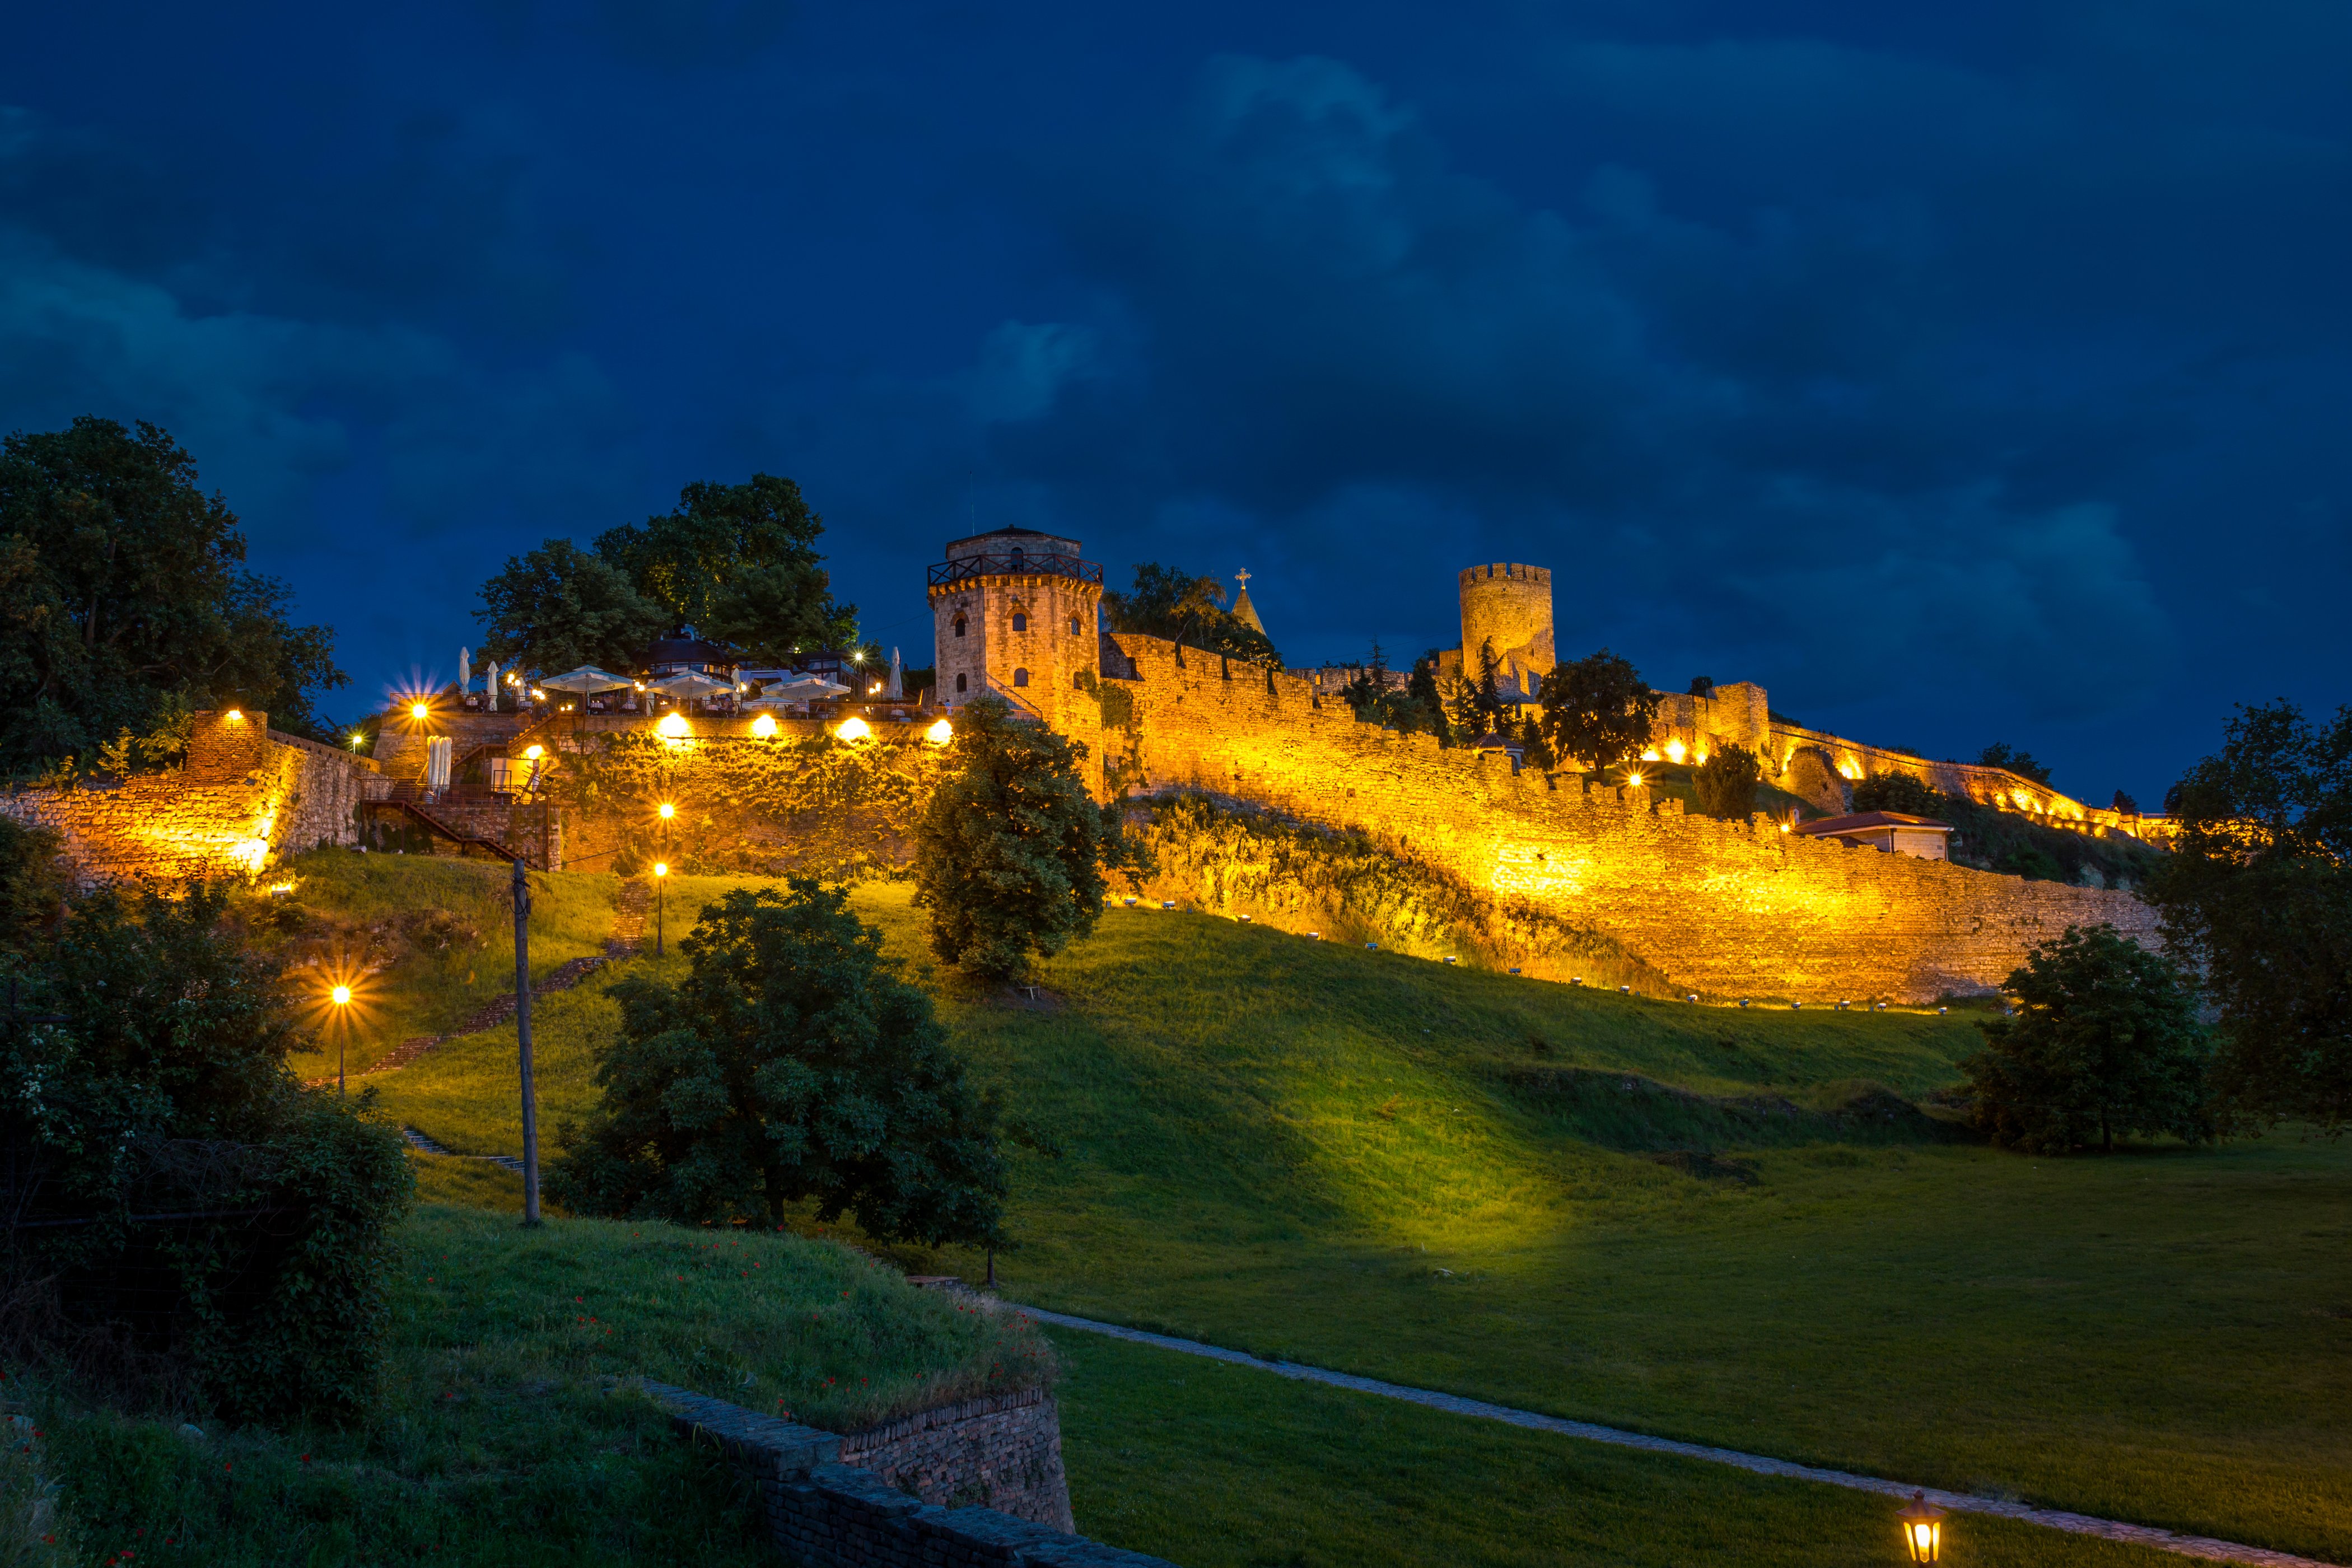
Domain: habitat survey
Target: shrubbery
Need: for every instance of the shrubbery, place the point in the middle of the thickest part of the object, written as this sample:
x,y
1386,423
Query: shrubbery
x,y
1726,783
195,1226
1991,840
1009,855
791,1063
2105,1043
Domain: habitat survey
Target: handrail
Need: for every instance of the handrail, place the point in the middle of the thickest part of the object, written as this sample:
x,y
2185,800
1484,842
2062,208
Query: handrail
x,y
1051,564
456,835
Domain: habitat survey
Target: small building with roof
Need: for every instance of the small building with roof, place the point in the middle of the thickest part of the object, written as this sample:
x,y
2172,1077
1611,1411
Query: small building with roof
x,y
1894,832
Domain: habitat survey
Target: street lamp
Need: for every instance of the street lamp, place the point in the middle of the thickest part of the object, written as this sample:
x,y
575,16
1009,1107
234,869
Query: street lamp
x,y
341,997
661,870
1923,1528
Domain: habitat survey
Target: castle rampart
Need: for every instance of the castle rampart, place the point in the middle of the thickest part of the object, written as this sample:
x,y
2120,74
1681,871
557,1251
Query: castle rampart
x,y
1728,909
245,795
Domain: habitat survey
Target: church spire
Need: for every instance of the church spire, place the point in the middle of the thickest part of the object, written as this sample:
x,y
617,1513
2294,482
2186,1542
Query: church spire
x,y
1243,610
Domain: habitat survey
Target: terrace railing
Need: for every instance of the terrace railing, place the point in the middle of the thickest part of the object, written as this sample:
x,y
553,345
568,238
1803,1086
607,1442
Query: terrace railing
x,y
966,567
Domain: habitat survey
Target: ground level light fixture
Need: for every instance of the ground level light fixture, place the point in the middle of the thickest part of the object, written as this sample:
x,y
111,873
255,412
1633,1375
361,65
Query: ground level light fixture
x,y
941,734
853,730
1922,1529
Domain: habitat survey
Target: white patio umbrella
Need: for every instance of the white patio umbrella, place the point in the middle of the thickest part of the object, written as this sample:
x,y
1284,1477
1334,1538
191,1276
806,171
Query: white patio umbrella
x,y
585,681
799,690
690,683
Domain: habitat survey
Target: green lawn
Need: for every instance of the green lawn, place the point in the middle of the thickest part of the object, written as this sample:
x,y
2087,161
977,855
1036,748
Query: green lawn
x,y
507,1431
1457,1179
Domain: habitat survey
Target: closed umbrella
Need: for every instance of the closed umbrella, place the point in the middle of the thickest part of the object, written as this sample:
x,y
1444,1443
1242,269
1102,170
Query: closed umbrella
x,y
465,672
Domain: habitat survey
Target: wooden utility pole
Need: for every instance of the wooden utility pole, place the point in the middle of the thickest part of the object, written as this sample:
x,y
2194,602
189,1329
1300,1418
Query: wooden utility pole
x,y
522,1042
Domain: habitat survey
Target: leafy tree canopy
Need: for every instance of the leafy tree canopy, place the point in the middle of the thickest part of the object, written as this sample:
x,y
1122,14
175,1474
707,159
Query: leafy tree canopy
x,y
791,1064
737,562
2257,895
146,1073
2104,1042
558,608
1011,851
125,600
1726,783
1175,605
2001,754
1599,711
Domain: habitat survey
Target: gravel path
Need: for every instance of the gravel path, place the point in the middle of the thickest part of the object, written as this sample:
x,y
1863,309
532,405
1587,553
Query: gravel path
x,y
1958,1502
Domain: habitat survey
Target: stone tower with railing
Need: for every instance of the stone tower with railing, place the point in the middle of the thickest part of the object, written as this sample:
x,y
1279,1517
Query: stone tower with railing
x,y
1016,612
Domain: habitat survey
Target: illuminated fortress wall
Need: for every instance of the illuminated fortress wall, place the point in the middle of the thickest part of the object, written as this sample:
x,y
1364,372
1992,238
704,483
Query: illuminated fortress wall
x,y
1728,909
246,796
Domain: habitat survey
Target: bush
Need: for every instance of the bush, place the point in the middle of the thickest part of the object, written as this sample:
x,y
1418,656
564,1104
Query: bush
x,y
1991,840
793,1063
1009,855
209,1232
1726,783
2104,1041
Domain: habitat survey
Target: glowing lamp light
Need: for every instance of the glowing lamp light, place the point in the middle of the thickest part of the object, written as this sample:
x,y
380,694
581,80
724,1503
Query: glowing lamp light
x,y
661,868
1923,1528
1650,755
418,710
342,995
236,715
1674,751
1634,781
357,737
941,734
764,726
854,729
532,753
673,727
666,810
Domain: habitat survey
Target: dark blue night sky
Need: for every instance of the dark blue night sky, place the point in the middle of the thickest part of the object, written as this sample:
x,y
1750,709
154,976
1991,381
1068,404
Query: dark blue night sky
x,y
1959,373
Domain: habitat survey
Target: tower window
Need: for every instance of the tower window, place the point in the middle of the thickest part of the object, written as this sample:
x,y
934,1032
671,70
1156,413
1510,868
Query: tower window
x,y
1077,680
959,683
1073,626
1020,678
1020,622
959,626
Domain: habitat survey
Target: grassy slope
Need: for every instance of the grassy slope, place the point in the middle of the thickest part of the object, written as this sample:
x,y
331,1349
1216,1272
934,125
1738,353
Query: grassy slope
x,y
506,1432
1338,1155
345,904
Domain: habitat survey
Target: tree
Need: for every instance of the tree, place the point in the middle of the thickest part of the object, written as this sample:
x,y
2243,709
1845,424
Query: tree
x,y
2257,898
1421,687
739,563
2104,1041
1599,711
1011,851
791,1064
1726,783
123,591
1189,610
2001,754
34,886
2126,805
145,1075
558,608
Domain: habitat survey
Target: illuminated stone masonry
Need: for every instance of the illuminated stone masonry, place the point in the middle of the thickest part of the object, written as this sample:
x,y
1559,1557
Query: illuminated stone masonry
x,y
1727,908
246,796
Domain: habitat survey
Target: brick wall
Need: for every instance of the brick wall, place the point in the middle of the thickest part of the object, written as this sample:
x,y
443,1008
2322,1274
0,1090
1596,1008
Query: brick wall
x,y
1003,1452
822,1514
1728,909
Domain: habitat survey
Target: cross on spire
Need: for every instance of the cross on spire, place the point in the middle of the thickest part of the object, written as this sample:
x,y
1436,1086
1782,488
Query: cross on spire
x,y
1242,577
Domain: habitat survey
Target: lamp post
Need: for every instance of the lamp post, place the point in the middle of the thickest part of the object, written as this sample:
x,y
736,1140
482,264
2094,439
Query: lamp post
x,y
342,997
661,871
522,886
1923,1528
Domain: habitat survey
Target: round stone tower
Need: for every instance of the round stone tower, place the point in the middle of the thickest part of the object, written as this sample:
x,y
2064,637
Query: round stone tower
x,y
1014,612
1508,605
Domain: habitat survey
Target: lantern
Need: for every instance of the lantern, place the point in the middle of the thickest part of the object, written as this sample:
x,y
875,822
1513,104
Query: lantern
x,y
1923,1528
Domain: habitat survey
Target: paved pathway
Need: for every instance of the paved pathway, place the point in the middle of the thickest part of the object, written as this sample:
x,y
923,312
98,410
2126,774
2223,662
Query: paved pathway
x,y
1958,1502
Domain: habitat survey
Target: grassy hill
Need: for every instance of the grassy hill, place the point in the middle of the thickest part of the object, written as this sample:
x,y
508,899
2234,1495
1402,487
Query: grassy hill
x,y
1733,1226
510,1431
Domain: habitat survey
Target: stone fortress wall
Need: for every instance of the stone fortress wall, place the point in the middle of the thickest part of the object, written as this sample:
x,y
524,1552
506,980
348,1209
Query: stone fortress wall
x,y
1727,908
246,796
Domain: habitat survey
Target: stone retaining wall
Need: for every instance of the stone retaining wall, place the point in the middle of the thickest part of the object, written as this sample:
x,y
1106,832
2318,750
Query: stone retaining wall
x,y
1003,1452
822,1514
